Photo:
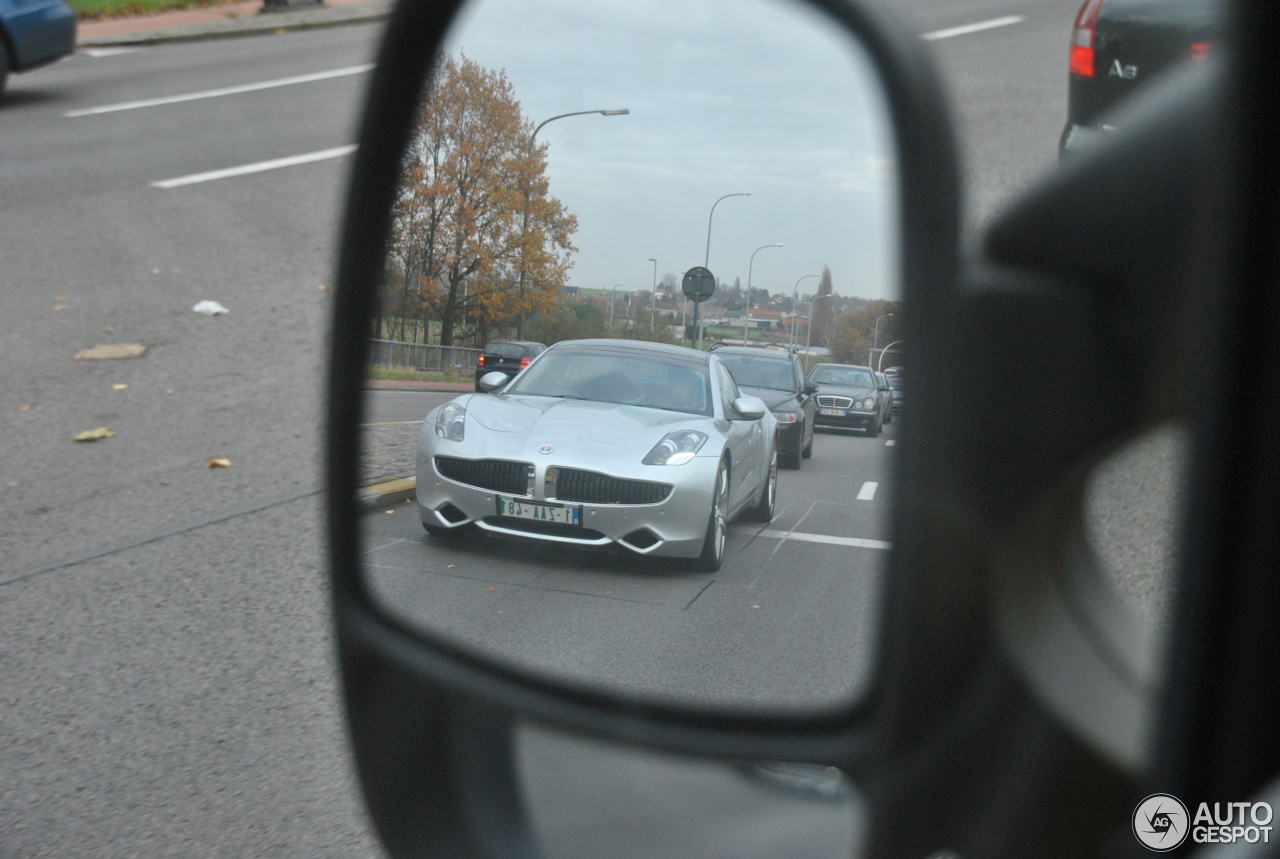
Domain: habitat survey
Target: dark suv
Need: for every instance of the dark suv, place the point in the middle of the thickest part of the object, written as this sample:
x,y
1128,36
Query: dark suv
x,y
506,356
1119,46
777,377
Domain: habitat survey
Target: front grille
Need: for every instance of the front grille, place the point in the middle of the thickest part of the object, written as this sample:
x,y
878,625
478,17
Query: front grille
x,y
496,475
835,402
591,487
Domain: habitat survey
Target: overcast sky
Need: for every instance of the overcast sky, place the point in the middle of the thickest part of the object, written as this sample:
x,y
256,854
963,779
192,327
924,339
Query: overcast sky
x,y
725,96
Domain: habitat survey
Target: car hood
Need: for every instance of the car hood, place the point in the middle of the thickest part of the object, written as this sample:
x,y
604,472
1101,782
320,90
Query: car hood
x,y
856,392
772,396
582,424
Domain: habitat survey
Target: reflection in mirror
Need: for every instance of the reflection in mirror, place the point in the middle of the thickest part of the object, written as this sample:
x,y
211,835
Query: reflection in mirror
x,y
654,503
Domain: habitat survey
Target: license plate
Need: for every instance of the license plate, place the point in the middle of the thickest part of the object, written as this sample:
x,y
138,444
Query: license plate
x,y
835,413
539,512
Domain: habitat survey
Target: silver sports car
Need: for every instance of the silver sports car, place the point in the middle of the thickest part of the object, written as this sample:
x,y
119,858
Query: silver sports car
x,y
599,442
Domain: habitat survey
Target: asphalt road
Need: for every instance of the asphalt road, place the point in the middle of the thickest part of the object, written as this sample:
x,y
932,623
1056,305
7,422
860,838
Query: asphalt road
x,y
788,623
166,681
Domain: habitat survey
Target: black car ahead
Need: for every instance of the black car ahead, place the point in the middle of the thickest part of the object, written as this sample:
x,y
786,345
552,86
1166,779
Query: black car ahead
x,y
848,397
777,377
506,356
895,390
1120,46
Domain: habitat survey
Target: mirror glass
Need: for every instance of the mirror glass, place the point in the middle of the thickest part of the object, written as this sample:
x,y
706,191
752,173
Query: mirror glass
x,y
661,504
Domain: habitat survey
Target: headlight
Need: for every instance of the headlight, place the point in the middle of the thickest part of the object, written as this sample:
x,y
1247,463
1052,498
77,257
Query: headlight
x,y
451,421
677,448
868,403
785,417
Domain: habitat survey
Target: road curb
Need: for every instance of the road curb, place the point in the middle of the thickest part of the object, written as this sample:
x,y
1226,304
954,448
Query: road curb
x,y
263,23
389,492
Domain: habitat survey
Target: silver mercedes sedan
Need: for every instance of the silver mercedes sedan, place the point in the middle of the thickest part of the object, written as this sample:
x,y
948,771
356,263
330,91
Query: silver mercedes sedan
x,y
596,443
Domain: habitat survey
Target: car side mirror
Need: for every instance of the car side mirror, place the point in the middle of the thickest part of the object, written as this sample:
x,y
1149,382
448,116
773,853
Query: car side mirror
x,y
811,387
750,408
491,382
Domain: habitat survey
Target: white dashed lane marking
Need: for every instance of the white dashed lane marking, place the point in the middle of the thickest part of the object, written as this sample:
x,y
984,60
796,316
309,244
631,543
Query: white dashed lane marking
x,y
829,540
868,491
214,93
968,29
259,167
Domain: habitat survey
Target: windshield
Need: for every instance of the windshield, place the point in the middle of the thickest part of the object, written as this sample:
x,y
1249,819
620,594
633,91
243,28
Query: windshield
x,y
832,375
652,381
754,371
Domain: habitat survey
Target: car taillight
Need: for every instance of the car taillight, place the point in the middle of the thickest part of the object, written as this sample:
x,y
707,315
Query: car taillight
x,y
1200,52
524,362
1080,62
480,361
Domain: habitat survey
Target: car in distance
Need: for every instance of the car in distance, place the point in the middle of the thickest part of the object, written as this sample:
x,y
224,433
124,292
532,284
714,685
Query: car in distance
x,y
1119,46
777,377
508,357
34,33
645,446
847,397
896,391
886,398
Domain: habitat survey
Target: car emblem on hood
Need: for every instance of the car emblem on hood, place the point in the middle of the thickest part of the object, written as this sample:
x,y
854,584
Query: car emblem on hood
x,y
546,448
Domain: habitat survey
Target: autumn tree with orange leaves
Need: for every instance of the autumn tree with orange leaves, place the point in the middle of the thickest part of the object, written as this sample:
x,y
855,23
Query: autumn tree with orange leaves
x,y
459,238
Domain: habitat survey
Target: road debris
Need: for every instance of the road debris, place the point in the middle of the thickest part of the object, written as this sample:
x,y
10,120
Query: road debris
x,y
110,352
210,308
94,434
219,462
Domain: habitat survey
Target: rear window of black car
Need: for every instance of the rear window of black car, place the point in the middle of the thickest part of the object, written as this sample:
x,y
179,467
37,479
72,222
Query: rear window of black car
x,y
758,371
507,350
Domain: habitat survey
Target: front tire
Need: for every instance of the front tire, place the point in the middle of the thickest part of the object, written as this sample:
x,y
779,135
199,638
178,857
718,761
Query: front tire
x,y
808,448
874,429
763,511
717,525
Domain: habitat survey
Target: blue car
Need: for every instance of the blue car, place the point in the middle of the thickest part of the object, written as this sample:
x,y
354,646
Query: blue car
x,y
33,33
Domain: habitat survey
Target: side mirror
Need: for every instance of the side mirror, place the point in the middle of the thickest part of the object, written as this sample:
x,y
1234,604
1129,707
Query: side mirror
x,y
750,408
491,382
811,387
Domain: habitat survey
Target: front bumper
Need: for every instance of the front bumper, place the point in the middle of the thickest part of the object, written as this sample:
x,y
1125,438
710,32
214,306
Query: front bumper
x,y
852,419
674,527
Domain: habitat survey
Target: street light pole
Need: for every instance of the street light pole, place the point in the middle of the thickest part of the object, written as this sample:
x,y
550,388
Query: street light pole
x,y
888,348
524,181
808,334
612,293
875,339
794,294
750,265
706,261
653,298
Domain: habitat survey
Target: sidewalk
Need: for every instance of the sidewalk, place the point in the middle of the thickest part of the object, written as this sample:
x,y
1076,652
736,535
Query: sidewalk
x,y
225,20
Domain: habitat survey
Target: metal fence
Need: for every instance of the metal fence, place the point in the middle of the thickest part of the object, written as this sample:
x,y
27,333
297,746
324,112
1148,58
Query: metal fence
x,y
425,357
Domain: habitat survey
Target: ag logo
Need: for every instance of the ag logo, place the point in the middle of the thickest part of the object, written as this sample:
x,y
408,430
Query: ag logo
x,y
1160,822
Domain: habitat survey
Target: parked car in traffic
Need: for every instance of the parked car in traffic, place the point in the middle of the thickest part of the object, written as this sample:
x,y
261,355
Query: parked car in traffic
x,y
34,33
777,377
644,446
848,397
508,357
1119,46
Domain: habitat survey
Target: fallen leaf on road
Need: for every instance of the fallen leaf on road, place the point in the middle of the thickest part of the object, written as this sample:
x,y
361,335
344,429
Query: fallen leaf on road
x,y
59,307
24,408
490,588
164,483
111,351
322,288
219,462
118,387
94,434
210,308
62,298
